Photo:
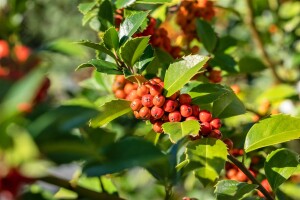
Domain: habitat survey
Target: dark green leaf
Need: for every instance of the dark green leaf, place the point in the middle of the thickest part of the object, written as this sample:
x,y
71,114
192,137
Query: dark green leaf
x,y
97,46
124,3
249,64
102,66
161,60
119,156
177,130
224,61
206,34
145,59
232,190
209,156
180,72
133,49
111,38
105,15
153,1
224,43
279,166
131,24
110,111
273,130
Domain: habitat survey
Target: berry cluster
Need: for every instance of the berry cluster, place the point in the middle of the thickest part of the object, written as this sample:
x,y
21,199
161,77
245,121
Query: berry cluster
x,y
149,103
189,11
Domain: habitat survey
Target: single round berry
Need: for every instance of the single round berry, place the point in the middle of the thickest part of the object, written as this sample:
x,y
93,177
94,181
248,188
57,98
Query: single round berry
x,y
157,127
228,143
120,94
215,134
145,113
147,100
175,116
128,88
191,118
157,112
117,85
240,176
136,104
205,128
120,79
142,90
205,116
231,173
169,105
159,100
156,89
196,110
132,95
216,123
185,99
186,110
174,96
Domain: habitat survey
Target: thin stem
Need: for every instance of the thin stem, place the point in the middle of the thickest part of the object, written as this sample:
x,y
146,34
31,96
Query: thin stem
x,y
81,191
168,190
243,168
258,41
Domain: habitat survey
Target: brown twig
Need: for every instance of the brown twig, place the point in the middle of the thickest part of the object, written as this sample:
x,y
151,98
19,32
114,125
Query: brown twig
x,y
243,168
258,41
81,191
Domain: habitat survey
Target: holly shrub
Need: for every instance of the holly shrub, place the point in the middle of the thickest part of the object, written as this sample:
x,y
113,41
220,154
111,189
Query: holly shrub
x,y
170,99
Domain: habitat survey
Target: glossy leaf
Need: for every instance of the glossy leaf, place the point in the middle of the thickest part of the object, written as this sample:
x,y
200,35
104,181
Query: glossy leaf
x,y
145,59
280,165
124,3
273,130
102,66
115,158
84,8
232,190
207,35
225,42
177,130
110,111
105,15
224,61
209,156
133,49
180,72
225,102
111,38
131,24
97,46
249,64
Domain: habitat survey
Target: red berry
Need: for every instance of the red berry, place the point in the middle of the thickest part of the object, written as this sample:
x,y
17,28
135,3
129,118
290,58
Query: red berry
x,y
228,143
159,100
196,110
191,118
136,104
145,113
231,173
205,128
120,79
215,134
185,99
137,115
156,89
132,95
157,112
157,127
22,52
240,176
147,100
4,49
142,90
174,96
216,123
169,105
156,80
175,116
205,116
128,88
186,110
165,117
120,94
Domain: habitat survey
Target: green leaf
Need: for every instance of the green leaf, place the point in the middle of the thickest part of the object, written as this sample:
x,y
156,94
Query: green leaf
x,y
278,93
177,130
124,3
209,155
89,16
224,61
249,64
102,66
22,92
97,46
84,8
64,46
119,156
61,119
110,111
225,102
180,72
279,166
153,1
162,60
111,38
207,35
145,59
232,190
133,49
105,15
273,130
131,24
224,43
